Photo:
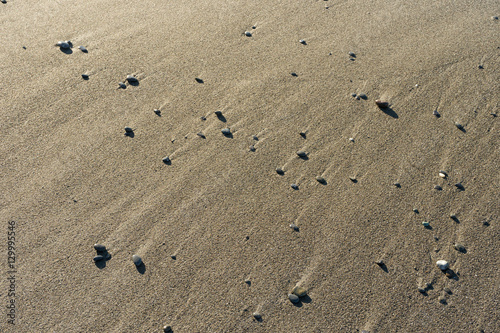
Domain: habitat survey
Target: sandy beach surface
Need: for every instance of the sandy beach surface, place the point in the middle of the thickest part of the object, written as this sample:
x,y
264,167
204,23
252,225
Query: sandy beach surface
x,y
223,237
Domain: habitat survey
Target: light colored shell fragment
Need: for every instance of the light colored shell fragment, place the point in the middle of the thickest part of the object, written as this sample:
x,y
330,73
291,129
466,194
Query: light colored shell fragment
x,y
442,264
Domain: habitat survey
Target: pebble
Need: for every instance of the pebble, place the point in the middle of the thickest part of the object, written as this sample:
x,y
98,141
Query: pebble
x,y
201,135
83,49
137,260
99,247
353,179
494,18
218,113
64,44
157,111
321,179
199,80
131,78
301,41
453,217
442,264
252,148
301,153
166,160
460,248
247,281
122,85
398,185
381,104
128,129
442,299
437,187
294,227
351,139
255,138
415,210
293,298
299,291
167,329
303,134
421,290
257,315
362,96
447,290
280,171
294,74
98,258
173,257
425,224
443,174
85,76
459,126
248,34
352,54
226,131
294,186
436,113
459,186
3,1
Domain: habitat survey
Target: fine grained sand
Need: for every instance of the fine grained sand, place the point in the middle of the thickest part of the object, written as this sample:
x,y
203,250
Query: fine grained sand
x,y
71,178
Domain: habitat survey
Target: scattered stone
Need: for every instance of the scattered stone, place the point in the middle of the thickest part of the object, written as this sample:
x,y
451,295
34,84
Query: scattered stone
x,y
99,247
442,264
302,134
3,1
129,130
353,179
299,291
255,138
494,18
480,67
361,96
201,135
421,290
437,187
425,224
443,174
415,210
460,248
199,80
294,227
98,258
301,154
64,44
442,299
137,260
301,41
453,217
352,54
447,290
398,185
122,85
85,76
173,257
294,186
131,79
257,315
252,148
351,139
280,171
293,298
203,118
460,186
157,111
459,126
226,131
294,74
353,94
167,329
218,113
166,160
381,104
248,34
436,113
321,180
380,263
83,49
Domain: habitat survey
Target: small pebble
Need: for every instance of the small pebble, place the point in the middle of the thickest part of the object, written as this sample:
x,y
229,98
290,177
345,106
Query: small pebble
x,y
85,76
167,329
443,174
255,138
415,210
353,179
247,281
353,94
201,135
442,299
252,148
480,67
157,111
122,85
226,131
98,258
361,96
436,113
299,291
199,80
280,171
137,260
293,298
425,224
460,248
301,153
64,44
380,263
218,113
294,186
99,247
294,74
421,290
166,160
257,315
494,18
128,129
3,1
381,104
351,139
437,187
453,217
321,180
294,227
459,126
173,257
83,49
302,134
442,264
248,34
301,41
131,78
398,185
352,54
203,118
459,186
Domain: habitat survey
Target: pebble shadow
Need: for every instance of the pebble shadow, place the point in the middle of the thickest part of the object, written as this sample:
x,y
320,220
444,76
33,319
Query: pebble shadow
x,y
141,268
221,118
134,83
229,136
66,51
130,134
390,112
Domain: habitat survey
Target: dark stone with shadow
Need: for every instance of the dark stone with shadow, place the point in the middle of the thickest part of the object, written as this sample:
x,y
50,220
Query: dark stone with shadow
x,y
173,257
167,161
455,218
130,134
85,77
429,227
141,268
460,186
66,51
199,80
450,274
303,134
134,83
220,116
382,265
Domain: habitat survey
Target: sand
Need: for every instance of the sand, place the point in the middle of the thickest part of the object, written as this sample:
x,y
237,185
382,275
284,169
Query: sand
x,y
71,178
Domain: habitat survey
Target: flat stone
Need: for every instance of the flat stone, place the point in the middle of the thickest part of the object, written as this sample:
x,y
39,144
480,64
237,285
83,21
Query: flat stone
x,y
131,78
255,138
381,104
436,113
99,247
398,185
173,257
352,54
437,187
442,264
293,298
157,111
226,131
166,160
362,96
280,171
167,329
294,186
83,49
294,227
353,179
321,180
301,153
218,113
252,148
137,260
442,174
257,315
425,224
85,76
460,248
301,41
248,34
459,126
197,79
64,44
98,258
299,291
201,135
128,129
122,85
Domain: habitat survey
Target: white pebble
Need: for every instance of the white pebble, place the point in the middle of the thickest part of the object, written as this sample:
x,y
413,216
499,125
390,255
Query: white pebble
x,y
442,264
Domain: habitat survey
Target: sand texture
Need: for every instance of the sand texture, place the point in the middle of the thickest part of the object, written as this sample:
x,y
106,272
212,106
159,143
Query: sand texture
x,y
70,177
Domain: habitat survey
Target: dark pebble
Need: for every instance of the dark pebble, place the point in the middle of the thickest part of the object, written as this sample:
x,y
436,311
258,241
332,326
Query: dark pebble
x,y
280,171
85,76
252,148
294,186
257,315
99,247
293,298
226,131
173,257
301,153
137,260
437,187
98,258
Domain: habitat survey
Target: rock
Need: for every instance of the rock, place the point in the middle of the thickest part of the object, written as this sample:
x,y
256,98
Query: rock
x,y
362,96
252,148
173,257
425,224
398,185
201,135
442,299
321,180
294,186
301,154
353,179
64,44
137,260
257,315
353,94
98,258
381,104
460,248
248,34
443,174
299,291
167,329
447,290
83,49
122,85
421,290
459,126
437,187
157,111
293,298
303,42
294,227
294,74
352,54
442,264
197,79
128,130
280,171
85,76
99,247
226,131
166,160
460,186
255,138
351,139
131,79
436,113
415,210
218,113
248,282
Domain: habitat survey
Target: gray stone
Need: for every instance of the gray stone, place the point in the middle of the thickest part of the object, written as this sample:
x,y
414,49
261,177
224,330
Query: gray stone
x,y
98,258
99,247
166,160
122,85
83,49
255,138
293,298
459,126
437,187
85,76
301,153
442,264
167,329
280,171
131,78
460,248
294,227
252,148
294,186
226,131
64,44
128,129
352,54
436,113
248,34
321,180
257,315
218,113
425,224
137,260
299,291
303,42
